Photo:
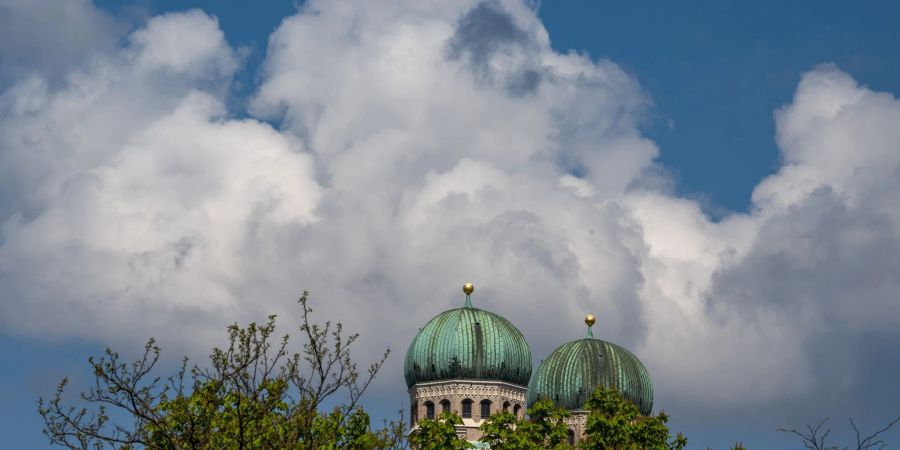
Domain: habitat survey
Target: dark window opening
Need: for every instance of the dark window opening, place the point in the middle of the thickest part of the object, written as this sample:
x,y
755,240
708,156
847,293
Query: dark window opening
x,y
485,408
445,406
429,410
570,437
467,409
505,406
516,410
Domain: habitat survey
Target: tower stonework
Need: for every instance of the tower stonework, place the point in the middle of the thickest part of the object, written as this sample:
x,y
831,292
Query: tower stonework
x,y
577,424
470,362
484,398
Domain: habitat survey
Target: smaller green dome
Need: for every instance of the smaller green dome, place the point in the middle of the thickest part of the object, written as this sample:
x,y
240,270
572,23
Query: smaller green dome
x,y
470,344
571,373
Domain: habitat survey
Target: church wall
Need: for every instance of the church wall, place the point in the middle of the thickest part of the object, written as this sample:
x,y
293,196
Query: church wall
x,y
498,393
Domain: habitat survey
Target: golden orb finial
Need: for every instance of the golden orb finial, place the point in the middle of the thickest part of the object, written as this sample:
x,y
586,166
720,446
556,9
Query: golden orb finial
x,y
589,320
468,288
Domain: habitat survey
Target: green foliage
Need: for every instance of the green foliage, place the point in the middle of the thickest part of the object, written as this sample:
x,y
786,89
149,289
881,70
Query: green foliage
x,y
438,434
615,423
503,431
544,429
254,394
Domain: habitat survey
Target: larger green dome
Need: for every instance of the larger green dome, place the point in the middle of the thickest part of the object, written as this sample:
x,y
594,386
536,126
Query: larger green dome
x,y
574,370
468,343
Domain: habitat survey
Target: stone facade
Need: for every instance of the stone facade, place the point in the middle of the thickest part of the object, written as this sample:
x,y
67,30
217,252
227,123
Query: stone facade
x,y
483,398
576,423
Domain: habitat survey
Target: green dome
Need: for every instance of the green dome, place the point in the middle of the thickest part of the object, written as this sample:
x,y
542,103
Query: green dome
x,y
573,371
468,343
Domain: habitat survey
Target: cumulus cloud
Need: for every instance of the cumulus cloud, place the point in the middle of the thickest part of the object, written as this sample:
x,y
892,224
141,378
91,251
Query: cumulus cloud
x,y
184,44
131,192
780,300
50,36
422,145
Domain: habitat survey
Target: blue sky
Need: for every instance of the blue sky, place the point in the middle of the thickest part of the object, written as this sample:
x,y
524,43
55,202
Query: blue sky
x,y
716,71
674,134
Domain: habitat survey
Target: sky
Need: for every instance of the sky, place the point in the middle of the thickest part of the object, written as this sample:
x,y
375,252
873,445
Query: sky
x,y
718,183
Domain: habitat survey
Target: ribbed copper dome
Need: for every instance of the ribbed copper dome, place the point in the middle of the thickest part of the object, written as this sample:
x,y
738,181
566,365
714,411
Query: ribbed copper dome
x,y
468,343
573,371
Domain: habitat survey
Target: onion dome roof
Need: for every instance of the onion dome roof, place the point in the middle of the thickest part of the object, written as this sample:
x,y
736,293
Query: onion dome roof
x,y
571,373
471,344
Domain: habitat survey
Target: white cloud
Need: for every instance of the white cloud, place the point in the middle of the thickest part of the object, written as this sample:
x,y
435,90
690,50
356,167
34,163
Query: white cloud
x,y
773,304
50,36
188,43
424,145
133,194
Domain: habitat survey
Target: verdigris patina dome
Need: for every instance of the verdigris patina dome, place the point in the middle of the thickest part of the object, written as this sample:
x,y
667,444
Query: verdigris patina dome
x,y
573,371
470,344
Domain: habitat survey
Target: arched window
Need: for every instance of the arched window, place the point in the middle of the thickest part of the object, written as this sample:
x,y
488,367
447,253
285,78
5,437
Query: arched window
x,y
467,409
516,410
505,406
570,437
485,408
429,410
445,406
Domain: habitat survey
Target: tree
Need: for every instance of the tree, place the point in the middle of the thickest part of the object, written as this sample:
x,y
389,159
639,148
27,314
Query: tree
x,y
438,434
612,423
615,423
545,428
814,438
254,394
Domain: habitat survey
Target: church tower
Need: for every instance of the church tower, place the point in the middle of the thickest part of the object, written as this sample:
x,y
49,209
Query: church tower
x,y
572,372
470,362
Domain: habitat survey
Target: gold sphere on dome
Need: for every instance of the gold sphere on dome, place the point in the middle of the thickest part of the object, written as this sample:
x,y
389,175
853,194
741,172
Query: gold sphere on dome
x,y
589,320
468,288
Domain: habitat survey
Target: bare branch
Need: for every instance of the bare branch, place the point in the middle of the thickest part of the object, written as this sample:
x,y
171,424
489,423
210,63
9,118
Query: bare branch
x,y
813,441
253,393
